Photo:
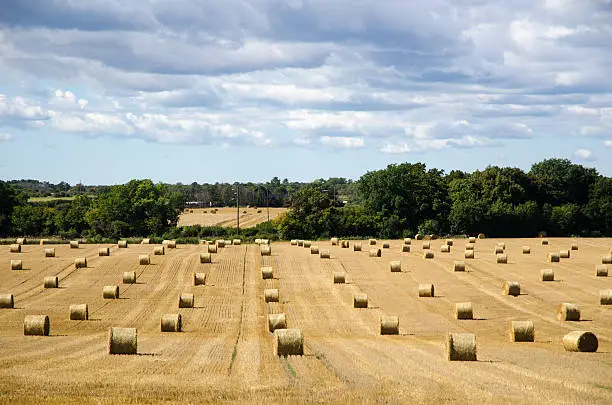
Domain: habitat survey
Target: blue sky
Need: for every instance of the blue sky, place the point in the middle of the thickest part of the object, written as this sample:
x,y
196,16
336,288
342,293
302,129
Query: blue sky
x,y
104,91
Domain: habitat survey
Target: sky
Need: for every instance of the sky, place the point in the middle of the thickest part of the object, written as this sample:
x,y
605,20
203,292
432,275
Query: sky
x,y
104,91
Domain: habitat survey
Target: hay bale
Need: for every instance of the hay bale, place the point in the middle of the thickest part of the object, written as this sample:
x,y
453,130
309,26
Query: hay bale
x,y
601,270
502,258
605,297
300,242
122,244
277,321
395,266
212,248
568,312
547,275
522,331
464,310
43,242
171,323
360,300
499,250
104,251
171,244
293,242
579,341
324,254
50,252
339,277
314,250
372,242
159,251
307,244
386,245
122,341
267,273
459,266
110,292
36,325
199,278
469,254
51,282
501,245
544,241
265,241
564,254
288,342
186,300
426,245
266,250
7,301
357,247
405,248
15,248
445,249
129,277
74,244
389,325
481,236
553,257
16,264
418,236
375,252
145,241
512,288
574,246
461,347
526,250
448,242
144,260
271,295
428,255
220,243
471,239
80,262
21,241
206,257
469,246
407,241
345,244
606,259
237,242
334,241
426,290
79,312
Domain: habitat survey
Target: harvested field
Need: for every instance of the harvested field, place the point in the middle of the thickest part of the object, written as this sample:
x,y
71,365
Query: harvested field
x,y
225,353
226,216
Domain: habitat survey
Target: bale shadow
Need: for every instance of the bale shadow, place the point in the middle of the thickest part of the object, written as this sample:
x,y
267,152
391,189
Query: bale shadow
x,y
94,320
147,354
489,361
478,319
54,335
197,307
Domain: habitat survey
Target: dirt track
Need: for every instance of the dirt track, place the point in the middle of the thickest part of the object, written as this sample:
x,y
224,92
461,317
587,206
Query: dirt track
x,y
226,216
225,352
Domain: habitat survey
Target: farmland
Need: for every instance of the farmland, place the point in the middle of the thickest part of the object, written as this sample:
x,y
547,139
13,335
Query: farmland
x,y
225,352
226,216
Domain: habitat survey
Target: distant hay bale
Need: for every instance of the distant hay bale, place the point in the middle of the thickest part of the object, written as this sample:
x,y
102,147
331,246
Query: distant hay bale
x,y
300,242
522,331
345,244
334,241
605,297
15,248
267,273
426,245
324,254
122,341
171,323
445,249
389,325
544,241
469,254
186,300
547,275
459,266
220,243
427,237
395,266
469,246
502,258
51,282
237,241
129,277
206,257
259,211
16,264
426,290
386,245
418,236
564,254
471,239
405,248
526,250
499,250
199,278
159,251
314,250
360,300
372,242
265,241
407,241
357,247
104,251
36,325
464,310
74,244
122,244
171,244
271,295
579,341
212,248
339,277
277,321
79,312
293,242
461,347
21,241
80,262
7,301
110,292
244,212
449,242
568,312
428,255
266,250
553,257
501,245
574,246
601,270
50,252
288,342
44,242
145,241
481,236
375,252
307,244
144,260
606,259
512,288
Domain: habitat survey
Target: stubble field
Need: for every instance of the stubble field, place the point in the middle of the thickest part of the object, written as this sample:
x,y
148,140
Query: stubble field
x,y
226,216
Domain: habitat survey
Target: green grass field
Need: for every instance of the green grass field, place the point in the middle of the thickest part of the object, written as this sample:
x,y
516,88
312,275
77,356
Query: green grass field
x,y
50,198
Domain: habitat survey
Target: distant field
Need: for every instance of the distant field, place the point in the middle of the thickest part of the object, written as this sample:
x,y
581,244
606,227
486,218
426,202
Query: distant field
x,y
50,198
226,216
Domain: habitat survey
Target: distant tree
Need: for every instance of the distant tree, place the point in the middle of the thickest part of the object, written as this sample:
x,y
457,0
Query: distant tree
x,y
8,200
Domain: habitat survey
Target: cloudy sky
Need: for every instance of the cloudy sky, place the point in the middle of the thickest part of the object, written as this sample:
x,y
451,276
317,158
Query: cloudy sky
x,y
104,91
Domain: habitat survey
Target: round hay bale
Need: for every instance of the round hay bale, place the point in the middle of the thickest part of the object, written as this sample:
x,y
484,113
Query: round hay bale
x,y
357,247
389,325
129,277
199,278
7,301
522,331
426,245
407,241
50,252
427,237
171,323
449,242
16,264
547,275
464,310
360,300
266,250
606,259
445,249
206,257
579,341
395,266
386,245
293,242
574,246
469,246
265,241
220,243
21,241
15,248
159,251
471,239
110,292
186,300
375,252
501,245
568,312
259,211
267,273
499,250
237,242
51,282
481,236
44,242
144,260
288,342
74,244
36,325
512,288
459,266
334,241
300,242
426,290
372,242
605,297
122,244
79,312
324,254
145,241
212,248
80,262
405,248
271,295
122,341
339,277
103,251
418,236
461,347
345,244
502,258
428,255
171,244
564,254
307,244
526,250
544,242
277,321
314,250
553,257
469,254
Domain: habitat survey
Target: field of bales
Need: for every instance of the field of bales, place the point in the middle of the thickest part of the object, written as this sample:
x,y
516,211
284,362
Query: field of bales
x,y
225,352
226,216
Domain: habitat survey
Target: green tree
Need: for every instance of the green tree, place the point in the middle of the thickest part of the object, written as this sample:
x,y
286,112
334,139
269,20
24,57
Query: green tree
x,y
8,200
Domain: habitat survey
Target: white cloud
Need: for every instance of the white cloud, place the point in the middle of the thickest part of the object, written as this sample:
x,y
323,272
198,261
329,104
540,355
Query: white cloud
x,y
423,145
608,144
5,137
342,142
584,155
